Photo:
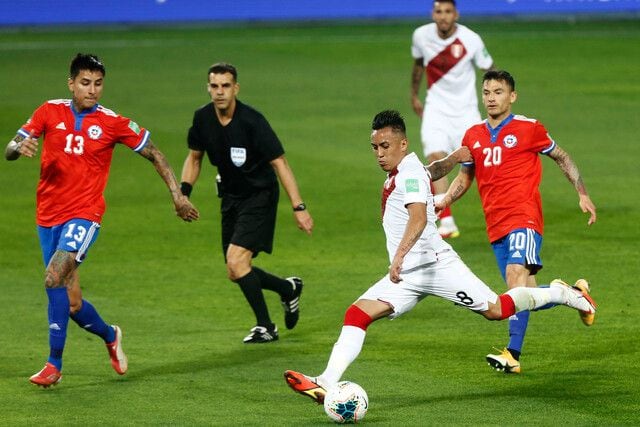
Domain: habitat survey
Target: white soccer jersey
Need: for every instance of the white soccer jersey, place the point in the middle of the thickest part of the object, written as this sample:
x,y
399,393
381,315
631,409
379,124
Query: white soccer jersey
x,y
449,66
410,183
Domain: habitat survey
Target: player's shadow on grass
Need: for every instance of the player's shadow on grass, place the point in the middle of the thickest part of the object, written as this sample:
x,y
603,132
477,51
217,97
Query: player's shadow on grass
x,y
544,386
239,358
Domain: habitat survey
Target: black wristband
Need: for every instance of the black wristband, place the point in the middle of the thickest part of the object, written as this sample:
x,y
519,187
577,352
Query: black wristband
x,y
185,188
300,207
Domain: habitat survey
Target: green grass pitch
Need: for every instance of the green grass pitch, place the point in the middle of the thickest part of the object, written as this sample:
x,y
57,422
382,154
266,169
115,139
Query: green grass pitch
x,y
165,283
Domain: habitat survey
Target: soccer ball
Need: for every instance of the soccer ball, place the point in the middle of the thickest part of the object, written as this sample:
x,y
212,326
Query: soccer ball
x,y
346,402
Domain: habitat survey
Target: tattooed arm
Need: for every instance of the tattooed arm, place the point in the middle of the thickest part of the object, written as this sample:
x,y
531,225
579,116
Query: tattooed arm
x,y
458,187
184,208
20,145
416,78
442,167
570,170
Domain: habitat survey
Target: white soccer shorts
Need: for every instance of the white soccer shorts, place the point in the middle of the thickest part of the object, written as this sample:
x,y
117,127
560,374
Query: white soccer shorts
x,y
442,133
447,278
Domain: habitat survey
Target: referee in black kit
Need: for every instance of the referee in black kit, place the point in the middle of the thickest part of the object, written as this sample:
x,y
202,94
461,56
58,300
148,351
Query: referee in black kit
x,y
240,142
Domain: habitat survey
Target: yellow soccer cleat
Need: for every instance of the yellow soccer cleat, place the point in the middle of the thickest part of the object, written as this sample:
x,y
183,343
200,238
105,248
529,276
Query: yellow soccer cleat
x,y
588,317
578,297
504,362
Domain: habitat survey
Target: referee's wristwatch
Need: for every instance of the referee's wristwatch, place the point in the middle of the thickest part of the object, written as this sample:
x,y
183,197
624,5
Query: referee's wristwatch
x,y
299,208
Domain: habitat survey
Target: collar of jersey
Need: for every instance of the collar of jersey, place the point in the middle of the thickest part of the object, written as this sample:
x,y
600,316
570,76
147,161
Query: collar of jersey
x,y
395,170
495,131
80,115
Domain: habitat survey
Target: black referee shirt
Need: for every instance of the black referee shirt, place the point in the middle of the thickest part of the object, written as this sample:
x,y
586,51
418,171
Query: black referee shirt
x,y
241,150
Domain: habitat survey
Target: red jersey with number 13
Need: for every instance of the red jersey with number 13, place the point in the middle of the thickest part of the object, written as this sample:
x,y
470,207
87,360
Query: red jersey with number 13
x,y
76,157
508,172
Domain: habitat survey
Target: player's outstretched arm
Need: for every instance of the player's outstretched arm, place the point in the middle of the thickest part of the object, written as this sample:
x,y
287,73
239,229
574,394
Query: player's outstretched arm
x,y
184,208
288,181
20,145
570,170
442,167
458,187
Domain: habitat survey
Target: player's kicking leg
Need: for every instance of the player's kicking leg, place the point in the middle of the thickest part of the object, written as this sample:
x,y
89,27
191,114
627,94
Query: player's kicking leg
x,y
558,292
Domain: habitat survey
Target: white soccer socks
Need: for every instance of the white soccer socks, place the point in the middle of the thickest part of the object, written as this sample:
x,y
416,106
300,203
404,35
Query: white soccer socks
x,y
344,352
532,298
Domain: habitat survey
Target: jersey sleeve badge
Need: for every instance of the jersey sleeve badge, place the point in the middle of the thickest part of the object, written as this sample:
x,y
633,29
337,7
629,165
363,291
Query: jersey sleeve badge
x,y
134,127
412,186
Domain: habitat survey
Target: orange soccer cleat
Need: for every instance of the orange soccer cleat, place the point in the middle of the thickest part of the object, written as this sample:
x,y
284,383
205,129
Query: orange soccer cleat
x,y
305,385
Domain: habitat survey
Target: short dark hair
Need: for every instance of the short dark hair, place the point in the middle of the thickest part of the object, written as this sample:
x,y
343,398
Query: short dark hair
x,y
500,75
85,61
453,2
222,68
389,118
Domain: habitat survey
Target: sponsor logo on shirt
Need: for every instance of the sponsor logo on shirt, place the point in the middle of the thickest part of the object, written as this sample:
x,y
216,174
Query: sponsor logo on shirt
x,y
411,186
510,141
476,145
134,127
61,126
238,156
95,132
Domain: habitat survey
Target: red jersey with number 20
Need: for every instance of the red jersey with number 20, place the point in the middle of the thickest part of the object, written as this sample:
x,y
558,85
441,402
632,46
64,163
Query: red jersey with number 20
x,y
508,172
76,157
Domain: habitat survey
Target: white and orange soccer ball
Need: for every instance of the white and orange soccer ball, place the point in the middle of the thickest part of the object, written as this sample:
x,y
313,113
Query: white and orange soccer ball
x,y
346,402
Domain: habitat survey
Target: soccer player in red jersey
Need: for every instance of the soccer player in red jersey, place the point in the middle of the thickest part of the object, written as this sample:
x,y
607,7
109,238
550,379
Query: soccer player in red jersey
x,y
79,136
506,165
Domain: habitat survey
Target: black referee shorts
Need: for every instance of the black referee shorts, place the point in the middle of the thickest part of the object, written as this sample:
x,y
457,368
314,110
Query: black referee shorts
x,y
250,222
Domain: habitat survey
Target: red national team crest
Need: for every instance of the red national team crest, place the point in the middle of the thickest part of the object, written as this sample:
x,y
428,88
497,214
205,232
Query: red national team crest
x,y
510,141
457,50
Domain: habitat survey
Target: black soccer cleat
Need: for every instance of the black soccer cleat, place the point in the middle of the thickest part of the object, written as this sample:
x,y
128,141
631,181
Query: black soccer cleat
x,y
292,306
261,334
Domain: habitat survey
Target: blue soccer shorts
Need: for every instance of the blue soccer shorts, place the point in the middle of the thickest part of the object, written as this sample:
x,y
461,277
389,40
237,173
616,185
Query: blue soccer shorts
x,y
76,235
521,246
